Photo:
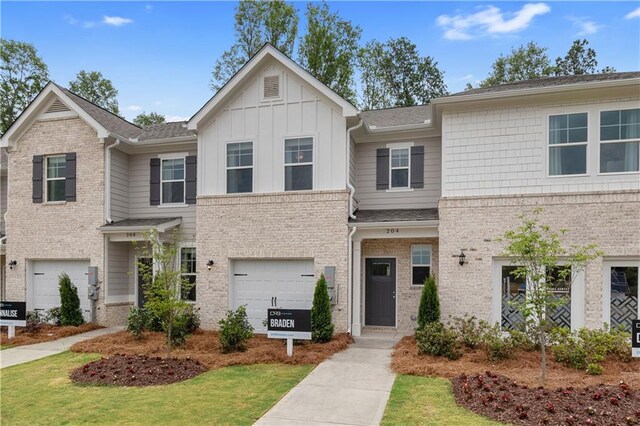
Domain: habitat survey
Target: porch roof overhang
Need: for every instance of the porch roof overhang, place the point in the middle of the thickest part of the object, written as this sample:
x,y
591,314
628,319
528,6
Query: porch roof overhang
x,y
161,225
395,223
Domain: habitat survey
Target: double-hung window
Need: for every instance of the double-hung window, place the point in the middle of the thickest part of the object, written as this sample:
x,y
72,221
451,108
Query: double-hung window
x,y
239,167
420,263
56,172
400,164
568,138
172,181
188,272
298,164
620,141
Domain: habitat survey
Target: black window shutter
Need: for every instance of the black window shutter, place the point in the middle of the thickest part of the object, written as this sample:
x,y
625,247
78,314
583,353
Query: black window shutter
x,y
37,178
70,176
191,166
417,166
154,182
382,168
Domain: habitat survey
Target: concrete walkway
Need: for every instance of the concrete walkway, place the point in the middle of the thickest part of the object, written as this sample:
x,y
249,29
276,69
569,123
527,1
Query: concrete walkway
x,y
22,354
350,388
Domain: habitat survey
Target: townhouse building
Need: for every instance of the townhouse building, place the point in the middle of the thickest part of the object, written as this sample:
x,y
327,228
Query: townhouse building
x,y
277,180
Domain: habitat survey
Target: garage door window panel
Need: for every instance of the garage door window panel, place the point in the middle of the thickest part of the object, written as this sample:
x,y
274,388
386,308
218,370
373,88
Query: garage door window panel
x,y
239,167
56,172
188,272
298,160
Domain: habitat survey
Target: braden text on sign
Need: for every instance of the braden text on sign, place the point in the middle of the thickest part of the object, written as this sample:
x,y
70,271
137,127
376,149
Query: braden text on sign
x,y
289,324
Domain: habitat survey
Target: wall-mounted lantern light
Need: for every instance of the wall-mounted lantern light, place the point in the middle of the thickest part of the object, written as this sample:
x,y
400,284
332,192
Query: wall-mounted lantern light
x,y
209,264
12,264
462,257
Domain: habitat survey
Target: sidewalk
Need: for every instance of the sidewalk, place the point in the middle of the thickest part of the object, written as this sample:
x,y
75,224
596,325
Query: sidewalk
x,y
22,354
351,388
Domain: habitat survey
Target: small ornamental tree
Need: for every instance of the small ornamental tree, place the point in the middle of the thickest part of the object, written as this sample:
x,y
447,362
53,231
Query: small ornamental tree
x,y
321,325
165,286
70,312
541,260
429,309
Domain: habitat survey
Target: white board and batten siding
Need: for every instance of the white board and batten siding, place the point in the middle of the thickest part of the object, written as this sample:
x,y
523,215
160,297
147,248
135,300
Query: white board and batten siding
x,y
504,151
418,198
301,111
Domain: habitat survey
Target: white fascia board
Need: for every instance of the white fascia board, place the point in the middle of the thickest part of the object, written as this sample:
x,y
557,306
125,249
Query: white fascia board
x,y
399,224
348,110
420,126
160,228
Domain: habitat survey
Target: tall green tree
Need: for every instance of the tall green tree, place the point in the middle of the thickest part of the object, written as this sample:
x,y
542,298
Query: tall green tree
x,y
372,62
329,49
321,325
23,74
146,120
95,88
256,22
523,63
580,59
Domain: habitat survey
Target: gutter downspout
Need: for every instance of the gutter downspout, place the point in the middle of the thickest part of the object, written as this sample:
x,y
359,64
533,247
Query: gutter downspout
x,y
107,186
350,279
352,190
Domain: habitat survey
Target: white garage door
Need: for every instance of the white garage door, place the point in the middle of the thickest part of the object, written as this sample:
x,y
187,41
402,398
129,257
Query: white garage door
x,y
46,275
263,284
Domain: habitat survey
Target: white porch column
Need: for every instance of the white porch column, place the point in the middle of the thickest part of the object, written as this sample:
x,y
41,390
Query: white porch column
x,y
356,327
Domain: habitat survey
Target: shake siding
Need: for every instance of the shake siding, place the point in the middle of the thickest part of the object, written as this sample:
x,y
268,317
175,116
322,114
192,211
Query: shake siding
x,y
119,185
370,198
139,206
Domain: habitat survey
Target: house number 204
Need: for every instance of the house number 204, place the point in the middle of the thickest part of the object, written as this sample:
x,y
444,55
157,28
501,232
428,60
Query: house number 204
x,y
393,231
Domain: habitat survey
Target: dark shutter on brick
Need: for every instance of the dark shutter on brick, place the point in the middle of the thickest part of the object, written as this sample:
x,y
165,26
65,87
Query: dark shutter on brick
x,y
417,166
191,166
382,168
154,182
37,178
70,176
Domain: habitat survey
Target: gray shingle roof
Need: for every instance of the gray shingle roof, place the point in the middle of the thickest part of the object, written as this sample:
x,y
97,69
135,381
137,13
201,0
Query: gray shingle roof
x,y
166,130
393,117
395,215
146,222
550,82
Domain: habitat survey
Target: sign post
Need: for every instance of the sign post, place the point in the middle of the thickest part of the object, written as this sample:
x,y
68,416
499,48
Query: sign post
x,y
635,338
289,324
13,314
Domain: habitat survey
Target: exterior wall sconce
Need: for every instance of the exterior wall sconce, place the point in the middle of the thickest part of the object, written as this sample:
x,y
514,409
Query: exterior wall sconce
x,y
12,264
462,257
209,264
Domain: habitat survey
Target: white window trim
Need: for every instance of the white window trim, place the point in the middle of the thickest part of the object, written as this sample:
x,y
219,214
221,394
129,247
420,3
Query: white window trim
x,y
600,142
253,166
429,246
285,165
174,156
408,168
183,274
585,143
46,179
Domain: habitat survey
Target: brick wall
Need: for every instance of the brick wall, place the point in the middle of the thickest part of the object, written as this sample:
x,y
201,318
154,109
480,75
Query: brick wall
x,y
269,226
610,220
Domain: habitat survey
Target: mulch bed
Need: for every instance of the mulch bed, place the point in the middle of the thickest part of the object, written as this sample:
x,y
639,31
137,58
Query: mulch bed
x,y
137,370
502,399
204,346
524,366
43,333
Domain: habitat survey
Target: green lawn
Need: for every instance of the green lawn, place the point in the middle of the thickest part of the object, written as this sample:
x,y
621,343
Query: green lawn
x,y
427,401
40,392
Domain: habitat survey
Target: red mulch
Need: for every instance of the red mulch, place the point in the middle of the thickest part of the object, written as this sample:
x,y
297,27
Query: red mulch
x,y
137,370
204,346
502,399
524,367
44,333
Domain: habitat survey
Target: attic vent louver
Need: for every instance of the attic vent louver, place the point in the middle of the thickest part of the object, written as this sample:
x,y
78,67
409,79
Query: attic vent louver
x,y
271,87
57,106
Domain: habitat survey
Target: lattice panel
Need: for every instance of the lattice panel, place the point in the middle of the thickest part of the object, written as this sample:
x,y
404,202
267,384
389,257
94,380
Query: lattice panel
x,y
623,310
561,316
512,319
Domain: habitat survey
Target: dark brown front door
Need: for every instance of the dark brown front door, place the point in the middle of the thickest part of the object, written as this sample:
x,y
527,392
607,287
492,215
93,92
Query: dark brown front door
x,y
380,292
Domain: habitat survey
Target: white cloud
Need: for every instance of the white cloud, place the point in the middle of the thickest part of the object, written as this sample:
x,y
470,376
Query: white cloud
x,y
116,21
585,26
490,20
134,108
170,118
70,19
89,24
148,7
466,77
633,14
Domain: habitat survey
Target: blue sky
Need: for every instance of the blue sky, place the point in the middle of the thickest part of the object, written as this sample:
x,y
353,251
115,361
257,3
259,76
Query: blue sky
x,y
159,55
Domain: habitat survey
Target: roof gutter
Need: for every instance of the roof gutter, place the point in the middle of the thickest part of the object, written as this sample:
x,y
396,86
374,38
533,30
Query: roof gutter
x,y
404,127
137,142
352,189
395,224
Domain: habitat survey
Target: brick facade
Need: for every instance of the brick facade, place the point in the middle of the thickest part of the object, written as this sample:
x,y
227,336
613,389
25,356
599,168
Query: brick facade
x,y
610,220
269,226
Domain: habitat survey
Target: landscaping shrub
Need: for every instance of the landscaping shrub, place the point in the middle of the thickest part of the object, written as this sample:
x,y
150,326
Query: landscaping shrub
x,y
70,313
321,325
429,309
497,346
235,331
53,315
138,321
34,322
438,339
523,340
191,319
470,330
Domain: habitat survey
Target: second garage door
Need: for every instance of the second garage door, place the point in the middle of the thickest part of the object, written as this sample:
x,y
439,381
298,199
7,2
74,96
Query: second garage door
x,y
263,284
45,292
